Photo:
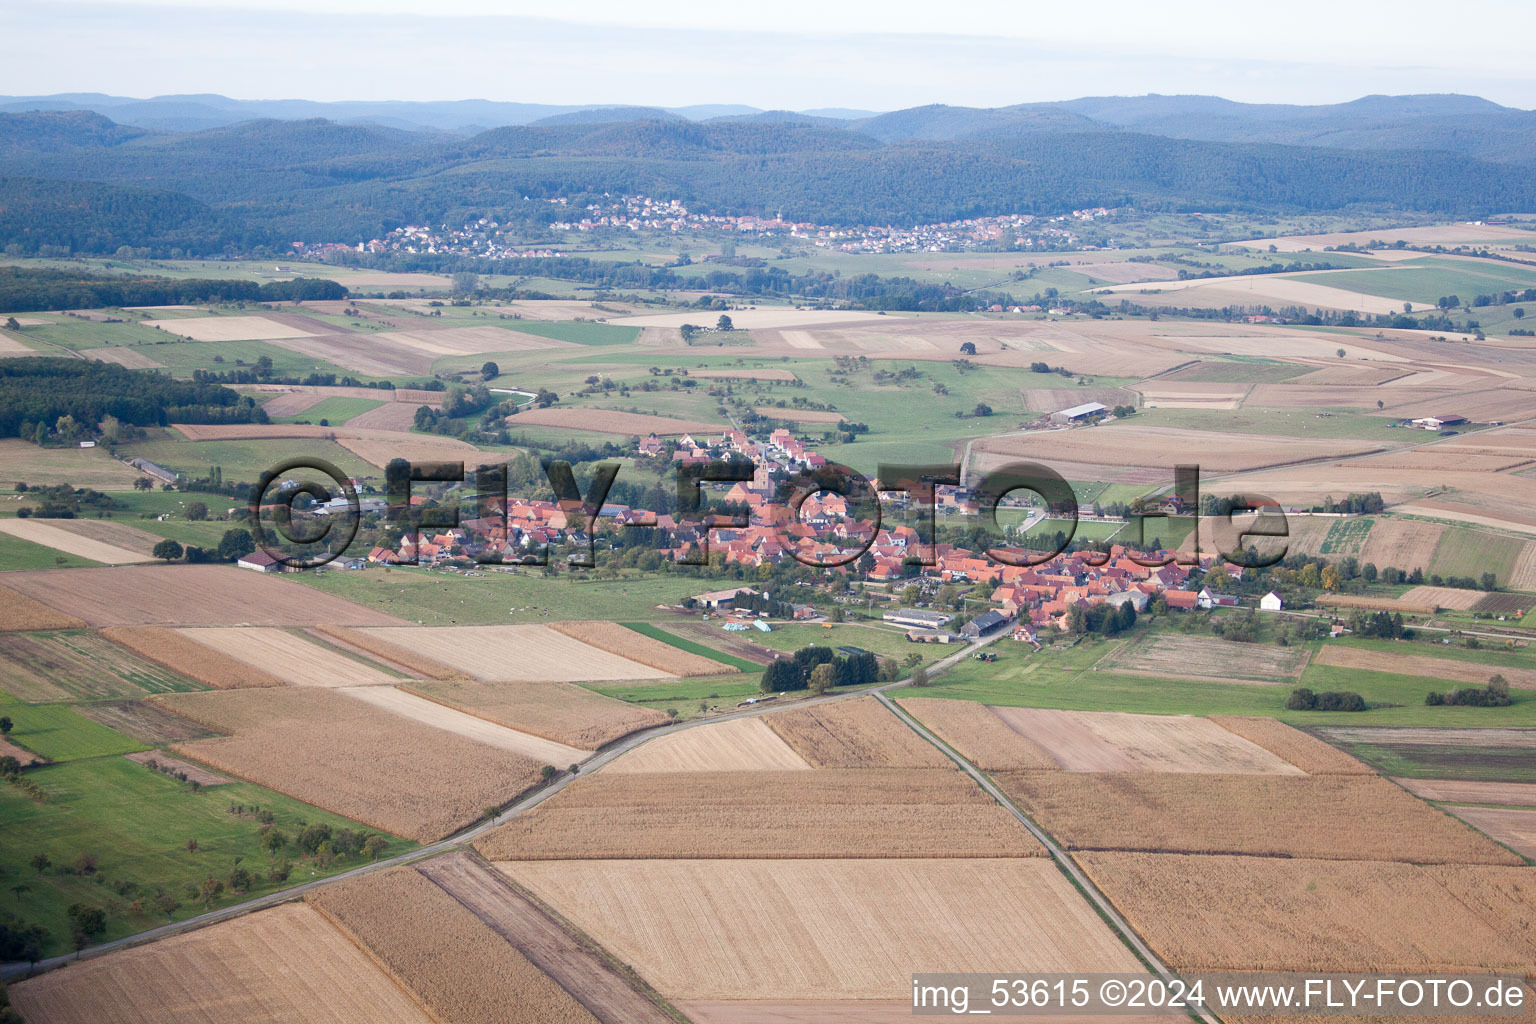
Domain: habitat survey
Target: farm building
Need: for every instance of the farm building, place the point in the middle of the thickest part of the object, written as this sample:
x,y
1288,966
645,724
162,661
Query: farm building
x,y
983,624
1436,422
1078,413
917,617
260,561
1271,602
1184,600
1205,600
930,636
722,598
1137,599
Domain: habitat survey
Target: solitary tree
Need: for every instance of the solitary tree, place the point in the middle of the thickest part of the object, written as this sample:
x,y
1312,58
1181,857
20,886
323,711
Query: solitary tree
x,y
197,511
168,549
968,348
489,370
920,675
11,324
724,323
6,725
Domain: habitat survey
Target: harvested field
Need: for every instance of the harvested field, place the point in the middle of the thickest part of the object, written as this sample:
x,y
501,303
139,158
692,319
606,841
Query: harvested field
x,y
1193,657
744,374
20,612
1327,817
753,319
1521,739
287,965
172,595
166,763
147,723
110,531
132,358
185,655
536,653
854,733
799,415
1451,669
840,929
392,654
291,403
1514,827
441,716
1452,598
587,974
1112,741
229,328
835,812
1407,544
402,353
977,734
1306,752
738,745
609,422
437,949
390,416
1134,445
23,757
289,657
40,667
41,532
562,712
330,750
1462,791
1048,400
1277,914
1386,604
803,1011
382,450
616,639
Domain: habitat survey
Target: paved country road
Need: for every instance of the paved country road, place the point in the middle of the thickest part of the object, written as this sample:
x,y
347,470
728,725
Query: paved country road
x,y
18,970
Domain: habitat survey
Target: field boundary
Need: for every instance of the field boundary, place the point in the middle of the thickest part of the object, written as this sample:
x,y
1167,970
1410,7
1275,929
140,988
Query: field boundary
x,y
661,635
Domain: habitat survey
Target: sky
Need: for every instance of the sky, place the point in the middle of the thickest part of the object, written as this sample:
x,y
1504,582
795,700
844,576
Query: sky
x,y
791,54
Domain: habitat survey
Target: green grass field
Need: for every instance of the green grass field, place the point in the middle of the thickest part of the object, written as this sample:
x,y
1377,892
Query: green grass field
x,y
136,823
1428,279
438,599
335,411
60,733
1346,537
246,460
577,333
1471,553
16,553
878,640
684,696
655,632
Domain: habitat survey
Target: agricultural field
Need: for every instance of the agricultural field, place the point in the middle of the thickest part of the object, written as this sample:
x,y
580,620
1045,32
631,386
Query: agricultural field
x,y
403,658
286,965
58,732
1424,666
616,638
184,595
182,654
1303,750
1219,913
40,532
44,467
1514,827
1322,817
454,963
17,553
146,723
853,733
1116,742
1471,754
738,745
481,730
561,712
335,752
769,813
292,659
533,653
1167,654
135,823
977,733
655,632
606,421
78,665
693,928
1457,791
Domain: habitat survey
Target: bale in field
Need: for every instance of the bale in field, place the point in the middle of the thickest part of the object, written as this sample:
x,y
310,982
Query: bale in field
x,y
459,968
1276,914
1308,753
411,661
17,612
854,733
870,812
616,639
561,712
1324,817
978,734
180,653
352,758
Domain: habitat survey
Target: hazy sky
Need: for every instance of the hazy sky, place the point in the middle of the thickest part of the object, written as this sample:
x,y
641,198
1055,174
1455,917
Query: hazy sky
x,y
791,54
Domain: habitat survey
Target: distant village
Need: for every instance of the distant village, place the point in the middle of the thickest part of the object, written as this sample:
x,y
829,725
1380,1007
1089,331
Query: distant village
x,y
488,239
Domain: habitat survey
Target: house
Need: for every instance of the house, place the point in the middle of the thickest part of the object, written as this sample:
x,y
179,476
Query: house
x,y
1271,602
1079,413
983,624
260,561
917,617
1024,633
1206,600
1437,422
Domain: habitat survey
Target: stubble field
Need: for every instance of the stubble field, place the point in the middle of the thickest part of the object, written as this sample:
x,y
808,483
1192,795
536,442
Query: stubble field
x,y
481,730
561,712
71,542
535,653
183,654
978,734
1206,658
740,745
18,612
616,639
291,658
1112,741
1425,666
854,733
1306,752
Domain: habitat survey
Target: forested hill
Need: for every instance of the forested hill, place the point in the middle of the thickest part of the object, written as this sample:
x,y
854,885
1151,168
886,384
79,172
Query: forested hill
x,y
79,183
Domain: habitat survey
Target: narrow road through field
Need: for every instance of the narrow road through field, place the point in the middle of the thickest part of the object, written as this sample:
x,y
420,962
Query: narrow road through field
x,y
14,970
1066,863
